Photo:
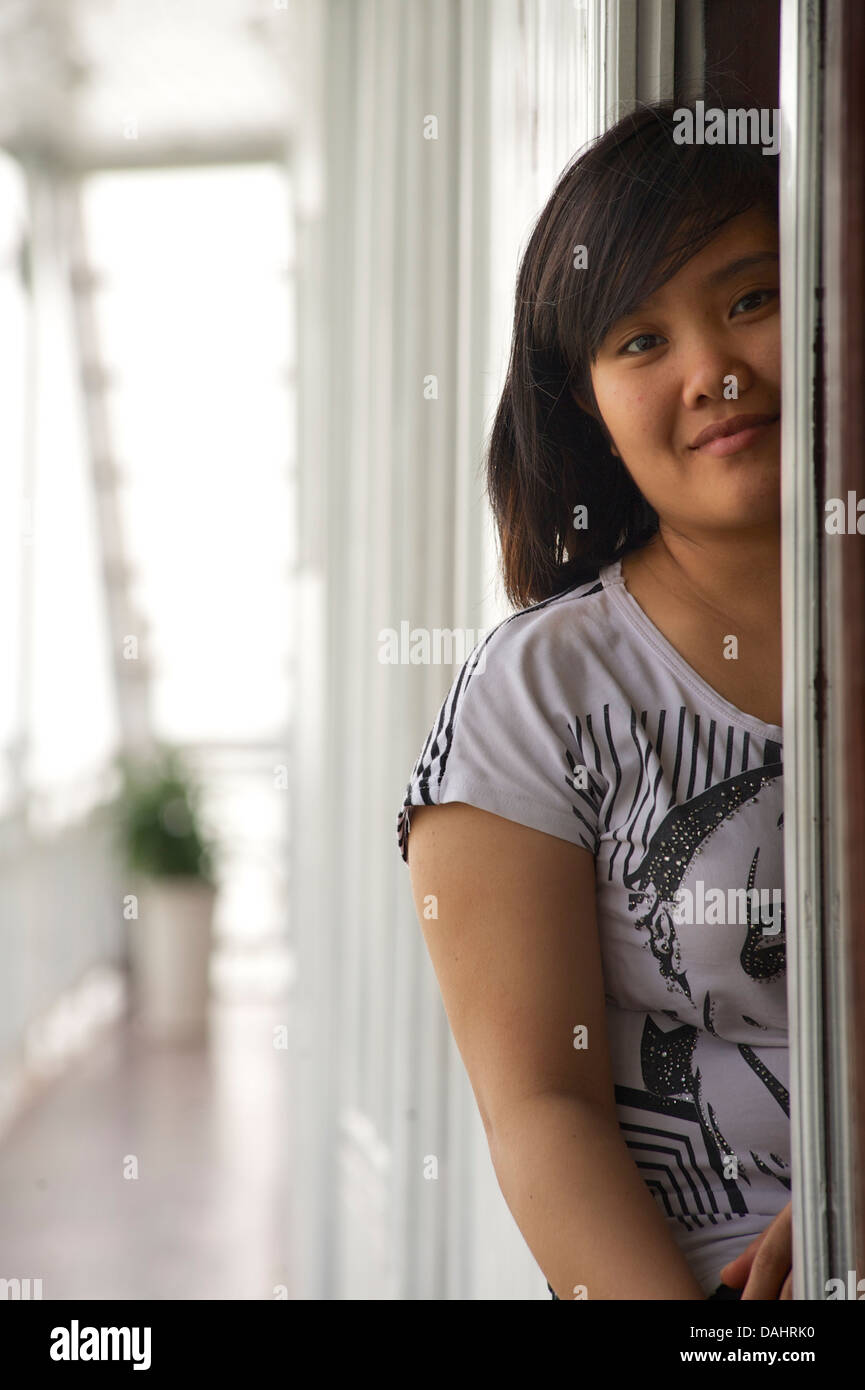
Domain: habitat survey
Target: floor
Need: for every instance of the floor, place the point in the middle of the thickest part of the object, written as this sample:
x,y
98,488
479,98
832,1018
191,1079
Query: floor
x,y
157,1173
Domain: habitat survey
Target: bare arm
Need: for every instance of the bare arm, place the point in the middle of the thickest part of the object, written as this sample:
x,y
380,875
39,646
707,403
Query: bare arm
x,y
516,952
586,1214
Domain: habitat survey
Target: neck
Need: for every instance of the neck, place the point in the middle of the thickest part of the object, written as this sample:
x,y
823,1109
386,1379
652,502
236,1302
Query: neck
x,y
737,577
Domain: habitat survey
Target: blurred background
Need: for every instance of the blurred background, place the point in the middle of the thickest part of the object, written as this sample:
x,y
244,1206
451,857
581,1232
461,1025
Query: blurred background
x,y
257,267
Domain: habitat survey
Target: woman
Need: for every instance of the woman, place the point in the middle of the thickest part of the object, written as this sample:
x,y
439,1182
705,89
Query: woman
x,y
601,883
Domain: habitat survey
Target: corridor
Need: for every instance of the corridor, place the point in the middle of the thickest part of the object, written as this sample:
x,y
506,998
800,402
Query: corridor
x,y
208,1129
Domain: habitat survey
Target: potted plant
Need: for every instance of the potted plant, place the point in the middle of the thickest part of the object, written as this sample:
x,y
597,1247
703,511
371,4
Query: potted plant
x,y
170,904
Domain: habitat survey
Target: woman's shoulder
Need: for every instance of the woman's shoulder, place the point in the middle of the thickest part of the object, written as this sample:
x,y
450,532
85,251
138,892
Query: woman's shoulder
x,y
504,739
541,629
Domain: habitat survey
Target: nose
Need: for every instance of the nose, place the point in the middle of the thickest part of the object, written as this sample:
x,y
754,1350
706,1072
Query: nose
x,y
713,371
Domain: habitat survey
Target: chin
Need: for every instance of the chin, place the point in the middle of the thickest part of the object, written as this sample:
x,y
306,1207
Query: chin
x,y
747,518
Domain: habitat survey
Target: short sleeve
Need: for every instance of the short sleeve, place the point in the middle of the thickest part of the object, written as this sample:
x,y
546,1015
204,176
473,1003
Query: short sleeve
x,y
505,740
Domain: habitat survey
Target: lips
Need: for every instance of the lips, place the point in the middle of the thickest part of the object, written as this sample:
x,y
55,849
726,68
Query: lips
x,y
735,425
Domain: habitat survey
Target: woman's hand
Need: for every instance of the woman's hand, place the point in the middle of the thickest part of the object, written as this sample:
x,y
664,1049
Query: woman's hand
x,y
767,1265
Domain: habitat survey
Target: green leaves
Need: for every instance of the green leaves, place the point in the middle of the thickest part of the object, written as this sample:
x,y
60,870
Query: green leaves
x,y
158,821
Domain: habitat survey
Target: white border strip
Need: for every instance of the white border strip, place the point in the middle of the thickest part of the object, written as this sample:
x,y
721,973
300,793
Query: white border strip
x,y
800,270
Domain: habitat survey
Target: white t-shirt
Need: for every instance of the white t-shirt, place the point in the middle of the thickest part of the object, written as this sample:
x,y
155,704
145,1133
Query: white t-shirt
x,y
577,717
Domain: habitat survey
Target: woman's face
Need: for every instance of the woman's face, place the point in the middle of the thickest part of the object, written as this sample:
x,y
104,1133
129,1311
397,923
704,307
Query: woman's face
x,y
704,349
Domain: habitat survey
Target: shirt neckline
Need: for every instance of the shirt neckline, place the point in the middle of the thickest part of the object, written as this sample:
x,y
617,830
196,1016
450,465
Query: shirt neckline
x,y
614,584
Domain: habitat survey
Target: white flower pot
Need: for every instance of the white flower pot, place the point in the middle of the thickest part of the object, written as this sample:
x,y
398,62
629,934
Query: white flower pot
x,y
170,946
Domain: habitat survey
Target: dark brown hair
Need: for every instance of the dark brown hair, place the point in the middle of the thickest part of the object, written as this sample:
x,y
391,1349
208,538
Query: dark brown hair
x,y
642,206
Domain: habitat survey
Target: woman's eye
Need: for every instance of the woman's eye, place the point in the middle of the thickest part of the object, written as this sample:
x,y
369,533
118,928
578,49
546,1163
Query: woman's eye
x,y
755,294
640,338
633,347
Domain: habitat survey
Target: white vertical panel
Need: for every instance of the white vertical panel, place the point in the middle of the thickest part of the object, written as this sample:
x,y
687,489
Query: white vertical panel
x,y
356,1203
800,101
325,74
470,519
437,327
416,1043
621,53
656,20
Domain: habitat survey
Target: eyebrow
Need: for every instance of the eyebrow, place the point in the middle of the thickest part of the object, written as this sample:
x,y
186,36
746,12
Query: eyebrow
x,y
727,272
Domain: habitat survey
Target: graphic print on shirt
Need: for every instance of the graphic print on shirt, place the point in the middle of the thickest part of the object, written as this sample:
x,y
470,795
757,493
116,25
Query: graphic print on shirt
x,y
672,1079
671,852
